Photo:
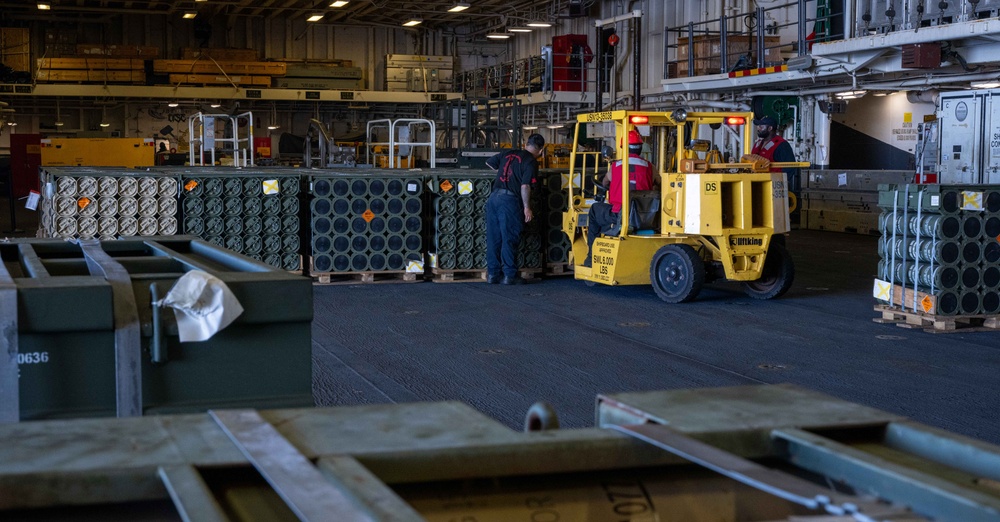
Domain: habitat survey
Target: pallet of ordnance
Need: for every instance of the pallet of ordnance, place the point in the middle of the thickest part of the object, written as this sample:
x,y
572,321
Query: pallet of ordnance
x,y
214,72
91,69
115,348
84,202
255,212
940,256
366,227
459,228
766,453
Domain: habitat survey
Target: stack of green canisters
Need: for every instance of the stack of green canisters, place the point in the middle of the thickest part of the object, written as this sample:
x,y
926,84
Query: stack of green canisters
x,y
942,240
254,212
366,222
555,202
459,222
105,203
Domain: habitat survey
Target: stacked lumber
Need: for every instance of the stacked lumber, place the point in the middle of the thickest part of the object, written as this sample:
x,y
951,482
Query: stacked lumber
x,y
214,72
90,69
220,54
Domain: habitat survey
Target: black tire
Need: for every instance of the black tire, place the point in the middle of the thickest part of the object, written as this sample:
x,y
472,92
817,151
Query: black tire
x,y
677,273
777,276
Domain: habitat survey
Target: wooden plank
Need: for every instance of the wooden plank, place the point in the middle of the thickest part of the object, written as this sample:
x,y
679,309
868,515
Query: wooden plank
x,y
210,67
96,62
218,79
90,76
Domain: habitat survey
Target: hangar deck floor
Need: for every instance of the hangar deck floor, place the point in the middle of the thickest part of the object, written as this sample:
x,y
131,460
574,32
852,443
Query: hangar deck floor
x,y
500,349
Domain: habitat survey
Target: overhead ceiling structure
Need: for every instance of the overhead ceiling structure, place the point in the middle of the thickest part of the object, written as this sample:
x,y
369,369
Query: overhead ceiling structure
x,y
463,17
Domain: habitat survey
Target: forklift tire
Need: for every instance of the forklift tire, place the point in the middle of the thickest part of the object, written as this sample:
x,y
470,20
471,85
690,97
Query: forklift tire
x,y
677,273
776,277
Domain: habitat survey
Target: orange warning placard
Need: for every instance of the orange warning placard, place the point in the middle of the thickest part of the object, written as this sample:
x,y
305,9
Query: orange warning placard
x,y
368,215
83,202
446,186
927,303
190,185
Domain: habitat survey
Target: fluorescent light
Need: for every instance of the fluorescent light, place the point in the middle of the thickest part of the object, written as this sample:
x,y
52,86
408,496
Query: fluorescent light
x,y
412,22
539,24
12,123
44,6
553,126
985,85
103,124
498,36
460,6
189,15
850,95
172,104
58,124
881,93
315,17
273,127
339,3
520,29
531,127
216,105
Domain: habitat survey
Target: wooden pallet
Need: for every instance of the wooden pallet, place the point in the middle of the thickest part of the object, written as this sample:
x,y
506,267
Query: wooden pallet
x,y
937,323
558,269
359,278
441,275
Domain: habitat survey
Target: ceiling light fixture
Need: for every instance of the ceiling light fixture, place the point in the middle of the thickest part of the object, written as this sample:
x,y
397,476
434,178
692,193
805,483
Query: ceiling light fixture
x,y
339,3
531,127
189,15
850,95
539,24
274,118
104,118
554,126
498,36
315,17
993,84
172,104
412,22
44,6
459,7
216,105
520,29
58,122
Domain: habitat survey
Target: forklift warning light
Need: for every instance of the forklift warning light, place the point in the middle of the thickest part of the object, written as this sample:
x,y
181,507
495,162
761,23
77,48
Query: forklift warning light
x,y
639,120
735,120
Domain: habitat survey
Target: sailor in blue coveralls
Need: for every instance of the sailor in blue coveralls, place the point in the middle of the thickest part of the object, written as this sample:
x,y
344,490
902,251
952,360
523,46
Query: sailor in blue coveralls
x,y
508,209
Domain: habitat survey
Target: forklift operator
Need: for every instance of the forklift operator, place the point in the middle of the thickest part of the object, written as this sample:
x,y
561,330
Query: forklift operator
x,y
604,216
774,148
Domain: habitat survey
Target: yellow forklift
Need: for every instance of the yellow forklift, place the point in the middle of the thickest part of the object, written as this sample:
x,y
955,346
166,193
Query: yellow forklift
x,y
713,216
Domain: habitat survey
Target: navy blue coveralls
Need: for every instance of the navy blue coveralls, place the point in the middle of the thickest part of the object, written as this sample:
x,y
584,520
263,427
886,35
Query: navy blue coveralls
x,y
505,209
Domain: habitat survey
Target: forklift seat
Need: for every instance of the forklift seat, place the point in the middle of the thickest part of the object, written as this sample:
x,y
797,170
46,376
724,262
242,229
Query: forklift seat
x,y
644,214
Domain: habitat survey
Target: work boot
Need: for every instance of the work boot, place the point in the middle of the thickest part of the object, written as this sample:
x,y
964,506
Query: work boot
x,y
493,279
516,280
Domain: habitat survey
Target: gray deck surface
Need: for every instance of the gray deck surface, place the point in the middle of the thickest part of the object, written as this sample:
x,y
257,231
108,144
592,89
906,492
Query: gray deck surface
x,y
500,349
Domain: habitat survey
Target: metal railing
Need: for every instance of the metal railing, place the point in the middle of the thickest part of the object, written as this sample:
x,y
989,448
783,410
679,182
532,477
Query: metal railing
x,y
739,42
544,73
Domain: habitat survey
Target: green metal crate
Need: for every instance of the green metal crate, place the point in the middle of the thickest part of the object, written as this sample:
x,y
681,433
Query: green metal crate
x,y
75,361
